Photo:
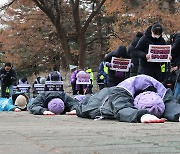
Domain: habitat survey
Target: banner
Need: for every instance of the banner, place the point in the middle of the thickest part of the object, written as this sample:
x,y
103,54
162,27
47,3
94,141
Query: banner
x,y
120,64
159,53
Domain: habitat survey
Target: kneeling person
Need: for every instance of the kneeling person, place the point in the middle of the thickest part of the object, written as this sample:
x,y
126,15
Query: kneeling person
x,y
51,103
137,99
17,102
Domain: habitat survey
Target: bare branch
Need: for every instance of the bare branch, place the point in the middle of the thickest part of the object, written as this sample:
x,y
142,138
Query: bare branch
x,y
94,13
6,5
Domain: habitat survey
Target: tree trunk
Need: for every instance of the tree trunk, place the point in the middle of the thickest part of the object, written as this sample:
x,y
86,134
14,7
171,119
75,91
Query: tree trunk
x,y
82,50
64,43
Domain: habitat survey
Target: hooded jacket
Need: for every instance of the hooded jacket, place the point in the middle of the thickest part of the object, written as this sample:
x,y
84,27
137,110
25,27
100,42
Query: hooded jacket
x,y
117,102
134,59
149,68
115,77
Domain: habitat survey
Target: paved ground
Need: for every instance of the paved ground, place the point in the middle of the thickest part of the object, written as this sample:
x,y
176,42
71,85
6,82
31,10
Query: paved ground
x,y
23,133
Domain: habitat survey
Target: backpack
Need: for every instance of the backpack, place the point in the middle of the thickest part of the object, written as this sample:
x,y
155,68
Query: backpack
x,y
55,76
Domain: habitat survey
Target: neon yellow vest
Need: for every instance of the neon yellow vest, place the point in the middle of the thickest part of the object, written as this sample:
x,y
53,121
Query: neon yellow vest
x,y
163,68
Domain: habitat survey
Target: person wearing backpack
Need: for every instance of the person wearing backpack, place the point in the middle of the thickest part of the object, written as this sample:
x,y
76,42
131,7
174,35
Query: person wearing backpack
x,y
55,76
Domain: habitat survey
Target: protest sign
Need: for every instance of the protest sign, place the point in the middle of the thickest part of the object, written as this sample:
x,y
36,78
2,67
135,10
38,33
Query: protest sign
x,y
38,88
83,78
53,85
159,53
120,64
25,88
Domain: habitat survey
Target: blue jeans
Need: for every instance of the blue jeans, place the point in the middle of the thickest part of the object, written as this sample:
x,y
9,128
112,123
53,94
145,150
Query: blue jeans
x,y
177,90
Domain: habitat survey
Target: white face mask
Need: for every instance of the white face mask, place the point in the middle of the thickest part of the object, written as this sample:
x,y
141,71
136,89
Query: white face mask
x,y
155,36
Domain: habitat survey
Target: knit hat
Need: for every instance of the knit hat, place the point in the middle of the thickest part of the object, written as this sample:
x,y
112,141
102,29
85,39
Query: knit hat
x,y
42,80
151,102
157,29
21,102
56,105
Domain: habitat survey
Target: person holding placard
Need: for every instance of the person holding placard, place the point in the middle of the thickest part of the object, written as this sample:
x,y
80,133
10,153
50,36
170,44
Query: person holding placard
x,y
114,77
152,36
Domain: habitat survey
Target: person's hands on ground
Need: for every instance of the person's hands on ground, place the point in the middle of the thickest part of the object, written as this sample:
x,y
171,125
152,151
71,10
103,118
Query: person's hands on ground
x,y
17,110
73,112
148,118
48,113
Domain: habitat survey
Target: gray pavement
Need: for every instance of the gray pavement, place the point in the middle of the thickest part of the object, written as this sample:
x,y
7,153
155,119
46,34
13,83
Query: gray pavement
x,y
24,133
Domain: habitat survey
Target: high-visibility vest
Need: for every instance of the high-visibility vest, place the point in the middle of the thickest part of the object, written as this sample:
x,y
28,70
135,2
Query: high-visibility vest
x,y
91,74
105,69
163,68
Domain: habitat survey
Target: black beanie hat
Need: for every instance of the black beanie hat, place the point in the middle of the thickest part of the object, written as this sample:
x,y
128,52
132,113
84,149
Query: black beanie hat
x,y
157,29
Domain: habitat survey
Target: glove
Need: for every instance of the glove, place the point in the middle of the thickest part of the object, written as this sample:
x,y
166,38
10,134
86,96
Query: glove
x,y
48,113
108,64
148,118
101,77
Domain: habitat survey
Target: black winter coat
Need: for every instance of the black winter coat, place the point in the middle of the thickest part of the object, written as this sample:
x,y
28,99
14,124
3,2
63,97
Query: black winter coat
x,y
176,54
117,103
40,103
149,68
134,59
7,78
176,51
112,79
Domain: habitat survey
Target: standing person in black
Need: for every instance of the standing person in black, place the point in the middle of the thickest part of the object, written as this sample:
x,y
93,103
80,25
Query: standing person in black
x,y
134,59
115,77
152,36
176,63
8,78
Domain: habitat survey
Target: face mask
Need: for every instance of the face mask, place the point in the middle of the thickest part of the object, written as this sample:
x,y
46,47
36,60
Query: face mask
x,y
155,36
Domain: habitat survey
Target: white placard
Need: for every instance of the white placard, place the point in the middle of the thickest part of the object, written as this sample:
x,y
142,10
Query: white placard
x,y
159,53
83,78
120,64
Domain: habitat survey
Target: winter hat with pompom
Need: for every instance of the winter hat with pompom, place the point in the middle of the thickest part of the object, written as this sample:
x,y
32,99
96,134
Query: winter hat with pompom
x,y
56,105
151,102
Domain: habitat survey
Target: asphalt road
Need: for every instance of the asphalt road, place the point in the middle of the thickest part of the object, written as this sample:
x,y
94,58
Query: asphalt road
x,y
24,133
